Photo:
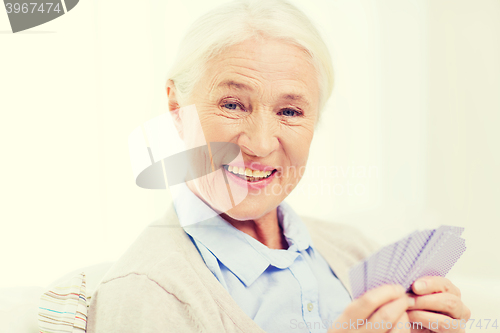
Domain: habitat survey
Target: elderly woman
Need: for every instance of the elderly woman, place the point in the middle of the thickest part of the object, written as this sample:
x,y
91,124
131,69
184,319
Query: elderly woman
x,y
230,255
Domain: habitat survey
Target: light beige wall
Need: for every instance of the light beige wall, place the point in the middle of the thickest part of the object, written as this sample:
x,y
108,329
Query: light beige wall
x,y
463,145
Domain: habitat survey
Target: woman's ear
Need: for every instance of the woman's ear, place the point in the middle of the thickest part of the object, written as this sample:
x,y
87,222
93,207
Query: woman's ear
x,y
173,107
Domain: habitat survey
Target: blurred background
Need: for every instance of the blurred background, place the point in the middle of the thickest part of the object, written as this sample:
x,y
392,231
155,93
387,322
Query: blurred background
x,y
409,139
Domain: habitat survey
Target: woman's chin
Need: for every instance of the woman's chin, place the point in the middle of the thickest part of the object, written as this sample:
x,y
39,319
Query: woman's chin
x,y
251,210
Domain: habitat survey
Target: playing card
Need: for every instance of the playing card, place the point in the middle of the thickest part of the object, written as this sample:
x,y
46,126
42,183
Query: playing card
x,y
422,253
440,255
415,248
380,273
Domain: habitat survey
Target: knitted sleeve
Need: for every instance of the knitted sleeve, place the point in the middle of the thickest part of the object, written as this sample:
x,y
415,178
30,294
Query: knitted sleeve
x,y
135,303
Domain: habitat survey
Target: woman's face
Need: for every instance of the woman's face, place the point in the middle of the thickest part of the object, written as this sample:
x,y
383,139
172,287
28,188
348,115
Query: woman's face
x,y
262,96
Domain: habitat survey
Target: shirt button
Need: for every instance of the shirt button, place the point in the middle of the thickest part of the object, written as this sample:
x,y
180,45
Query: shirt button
x,y
310,307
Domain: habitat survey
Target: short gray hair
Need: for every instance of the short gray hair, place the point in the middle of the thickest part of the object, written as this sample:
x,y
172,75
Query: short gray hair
x,y
238,21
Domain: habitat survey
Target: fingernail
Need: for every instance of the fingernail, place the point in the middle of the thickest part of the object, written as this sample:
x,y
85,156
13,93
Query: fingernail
x,y
411,301
420,285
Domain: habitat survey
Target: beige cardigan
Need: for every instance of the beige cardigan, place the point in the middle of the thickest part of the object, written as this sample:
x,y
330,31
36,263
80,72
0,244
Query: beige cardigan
x,y
161,284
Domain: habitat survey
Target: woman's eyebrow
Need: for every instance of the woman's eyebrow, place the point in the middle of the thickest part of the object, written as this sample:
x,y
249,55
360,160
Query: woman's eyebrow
x,y
296,98
234,85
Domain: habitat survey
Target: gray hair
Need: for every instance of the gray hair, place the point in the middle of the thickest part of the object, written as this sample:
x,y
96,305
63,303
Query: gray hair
x,y
238,21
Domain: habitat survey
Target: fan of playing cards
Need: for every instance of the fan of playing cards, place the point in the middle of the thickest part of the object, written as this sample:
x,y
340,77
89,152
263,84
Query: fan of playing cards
x,y
422,253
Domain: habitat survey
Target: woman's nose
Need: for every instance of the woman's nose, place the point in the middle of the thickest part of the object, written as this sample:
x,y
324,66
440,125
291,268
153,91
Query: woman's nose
x,y
259,137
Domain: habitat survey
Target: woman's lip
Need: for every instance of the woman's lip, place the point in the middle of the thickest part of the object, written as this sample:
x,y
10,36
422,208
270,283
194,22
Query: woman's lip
x,y
250,185
253,166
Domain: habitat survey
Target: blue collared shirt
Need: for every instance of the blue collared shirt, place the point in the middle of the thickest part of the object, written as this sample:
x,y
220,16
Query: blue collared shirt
x,y
292,290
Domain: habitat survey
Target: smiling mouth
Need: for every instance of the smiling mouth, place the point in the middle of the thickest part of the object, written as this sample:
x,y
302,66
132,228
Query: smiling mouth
x,y
248,174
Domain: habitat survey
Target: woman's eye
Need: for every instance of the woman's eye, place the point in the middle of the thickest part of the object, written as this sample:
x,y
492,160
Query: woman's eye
x,y
289,112
230,106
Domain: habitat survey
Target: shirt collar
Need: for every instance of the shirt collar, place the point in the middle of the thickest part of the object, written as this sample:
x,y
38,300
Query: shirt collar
x,y
294,229
243,255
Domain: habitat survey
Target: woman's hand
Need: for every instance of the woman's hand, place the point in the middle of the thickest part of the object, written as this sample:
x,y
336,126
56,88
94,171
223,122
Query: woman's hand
x,y
437,306
383,307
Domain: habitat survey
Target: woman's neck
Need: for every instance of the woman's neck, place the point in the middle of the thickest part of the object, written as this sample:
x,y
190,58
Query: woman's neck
x,y
266,229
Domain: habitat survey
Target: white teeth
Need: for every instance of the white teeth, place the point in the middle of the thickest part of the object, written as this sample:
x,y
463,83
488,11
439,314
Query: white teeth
x,y
248,172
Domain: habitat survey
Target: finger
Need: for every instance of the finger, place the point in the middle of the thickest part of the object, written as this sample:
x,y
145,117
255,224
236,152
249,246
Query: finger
x,y
435,322
388,313
422,329
445,303
434,284
466,313
402,325
364,306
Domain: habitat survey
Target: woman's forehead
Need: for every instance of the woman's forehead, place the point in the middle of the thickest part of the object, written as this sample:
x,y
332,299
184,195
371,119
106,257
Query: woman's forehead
x,y
269,64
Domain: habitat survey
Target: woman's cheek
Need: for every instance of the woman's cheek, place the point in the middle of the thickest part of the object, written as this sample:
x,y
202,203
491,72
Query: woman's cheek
x,y
213,123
